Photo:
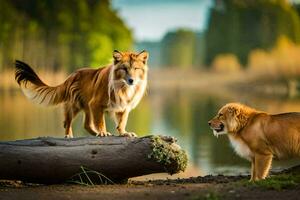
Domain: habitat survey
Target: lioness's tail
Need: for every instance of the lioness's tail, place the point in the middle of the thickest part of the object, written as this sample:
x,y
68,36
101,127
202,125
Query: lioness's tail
x,y
35,89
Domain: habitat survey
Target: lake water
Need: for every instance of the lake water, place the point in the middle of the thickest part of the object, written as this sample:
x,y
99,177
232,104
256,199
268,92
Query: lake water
x,y
179,113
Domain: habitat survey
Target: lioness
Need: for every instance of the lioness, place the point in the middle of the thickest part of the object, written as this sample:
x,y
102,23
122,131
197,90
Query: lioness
x,y
116,88
258,136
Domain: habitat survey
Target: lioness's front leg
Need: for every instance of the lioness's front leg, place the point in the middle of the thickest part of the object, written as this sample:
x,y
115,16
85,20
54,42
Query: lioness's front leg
x,y
121,121
253,175
262,166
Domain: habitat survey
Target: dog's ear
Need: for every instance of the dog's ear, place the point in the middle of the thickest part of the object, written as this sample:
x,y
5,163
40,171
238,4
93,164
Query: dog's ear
x,y
232,111
235,111
143,55
117,55
234,120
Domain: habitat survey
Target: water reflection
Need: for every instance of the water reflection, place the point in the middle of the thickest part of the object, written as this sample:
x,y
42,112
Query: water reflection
x,y
182,114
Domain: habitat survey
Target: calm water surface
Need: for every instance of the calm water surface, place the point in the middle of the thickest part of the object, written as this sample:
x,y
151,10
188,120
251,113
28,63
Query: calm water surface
x,y
182,114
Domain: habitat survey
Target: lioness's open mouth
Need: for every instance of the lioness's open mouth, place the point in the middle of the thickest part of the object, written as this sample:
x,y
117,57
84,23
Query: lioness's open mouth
x,y
218,129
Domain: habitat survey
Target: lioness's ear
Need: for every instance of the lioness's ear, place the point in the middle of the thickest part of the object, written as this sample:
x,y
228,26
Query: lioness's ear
x,y
117,56
236,111
143,55
233,111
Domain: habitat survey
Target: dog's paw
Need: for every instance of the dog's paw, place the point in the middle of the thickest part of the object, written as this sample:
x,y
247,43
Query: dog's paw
x,y
128,134
68,136
103,134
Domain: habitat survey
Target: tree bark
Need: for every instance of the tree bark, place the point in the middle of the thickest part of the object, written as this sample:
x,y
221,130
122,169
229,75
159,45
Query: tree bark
x,y
55,160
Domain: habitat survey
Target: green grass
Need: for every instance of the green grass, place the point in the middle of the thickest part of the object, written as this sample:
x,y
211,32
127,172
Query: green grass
x,y
276,182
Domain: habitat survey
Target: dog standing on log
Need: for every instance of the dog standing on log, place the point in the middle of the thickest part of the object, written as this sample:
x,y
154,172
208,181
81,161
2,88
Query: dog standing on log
x,y
116,89
258,136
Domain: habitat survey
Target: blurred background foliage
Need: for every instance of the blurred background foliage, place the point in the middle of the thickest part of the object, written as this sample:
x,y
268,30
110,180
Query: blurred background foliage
x,y
247,25
63,34
60,34
239,34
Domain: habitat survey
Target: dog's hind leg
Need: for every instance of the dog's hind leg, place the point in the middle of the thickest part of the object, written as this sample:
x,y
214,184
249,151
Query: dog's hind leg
x,y
70,112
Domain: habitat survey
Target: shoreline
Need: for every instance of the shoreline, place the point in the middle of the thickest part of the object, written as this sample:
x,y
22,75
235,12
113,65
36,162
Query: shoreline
x,y
186,80
207,187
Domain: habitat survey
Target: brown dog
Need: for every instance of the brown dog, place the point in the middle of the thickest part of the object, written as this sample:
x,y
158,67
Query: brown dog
x,y
116,88
258,136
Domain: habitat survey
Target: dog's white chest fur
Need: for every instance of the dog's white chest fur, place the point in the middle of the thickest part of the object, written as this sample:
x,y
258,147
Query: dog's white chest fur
x,y
129,100
241,148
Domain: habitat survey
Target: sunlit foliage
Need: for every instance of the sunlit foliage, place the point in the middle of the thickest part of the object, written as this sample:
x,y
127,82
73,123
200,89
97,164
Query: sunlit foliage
x,y
282,60
238,27
60,33
226,63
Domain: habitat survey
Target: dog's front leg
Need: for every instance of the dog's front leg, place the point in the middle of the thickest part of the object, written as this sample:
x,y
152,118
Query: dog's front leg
x,y
262,165
99,119
253,170
121,122
88,122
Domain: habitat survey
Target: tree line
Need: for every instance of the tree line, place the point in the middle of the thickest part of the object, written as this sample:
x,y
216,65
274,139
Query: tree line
x,y
238,27
234,27
64,34
60,34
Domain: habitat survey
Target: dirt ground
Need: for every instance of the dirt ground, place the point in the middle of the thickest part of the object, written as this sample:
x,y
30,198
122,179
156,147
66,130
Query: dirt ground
x,y
208,187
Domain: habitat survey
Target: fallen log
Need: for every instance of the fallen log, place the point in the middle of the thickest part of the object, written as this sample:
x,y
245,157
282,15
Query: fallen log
x,y
56,160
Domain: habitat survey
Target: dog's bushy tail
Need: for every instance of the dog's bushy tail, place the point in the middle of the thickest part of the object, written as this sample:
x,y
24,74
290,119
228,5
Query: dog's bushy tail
x,y
35,89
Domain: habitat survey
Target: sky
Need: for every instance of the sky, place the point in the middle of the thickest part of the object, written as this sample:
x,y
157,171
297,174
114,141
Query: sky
x,y
150,20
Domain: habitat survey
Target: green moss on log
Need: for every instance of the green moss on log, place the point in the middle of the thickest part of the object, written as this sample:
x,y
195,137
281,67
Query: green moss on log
x,y
168,154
